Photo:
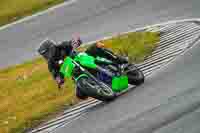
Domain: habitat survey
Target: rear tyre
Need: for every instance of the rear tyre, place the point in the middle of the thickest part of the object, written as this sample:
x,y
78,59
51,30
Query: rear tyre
x,y
135,76
91,89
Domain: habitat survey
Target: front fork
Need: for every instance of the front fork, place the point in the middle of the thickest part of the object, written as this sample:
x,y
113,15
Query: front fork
x,y
90,75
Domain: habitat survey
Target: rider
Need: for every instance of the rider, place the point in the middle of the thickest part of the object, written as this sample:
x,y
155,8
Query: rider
x,y
55,55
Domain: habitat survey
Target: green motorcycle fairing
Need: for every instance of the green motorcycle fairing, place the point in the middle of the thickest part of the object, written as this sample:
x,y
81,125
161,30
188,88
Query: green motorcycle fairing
x,y
119,83
83,58
67,67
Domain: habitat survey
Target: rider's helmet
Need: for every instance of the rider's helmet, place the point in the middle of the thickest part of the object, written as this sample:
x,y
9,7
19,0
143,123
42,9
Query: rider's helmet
x,y
47,49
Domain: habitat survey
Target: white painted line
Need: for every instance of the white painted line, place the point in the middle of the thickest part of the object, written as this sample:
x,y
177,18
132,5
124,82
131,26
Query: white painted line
x,y
66,117
76,107
149,70
169,45
180,34
81,110
146,27
67,3
177,40
83,102
147,74
167,51
153,64
177,28
168,30
158,66
71,110
64,124
80,106
170,27
165,23
168,48
180,45
195,42
177,31
53,124
162,57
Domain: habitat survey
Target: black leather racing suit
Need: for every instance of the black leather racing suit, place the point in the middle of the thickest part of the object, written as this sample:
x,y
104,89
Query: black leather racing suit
x,y
57,54
64,49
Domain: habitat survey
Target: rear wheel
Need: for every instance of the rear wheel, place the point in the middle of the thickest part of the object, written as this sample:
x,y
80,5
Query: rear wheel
x,y
135,76
91,89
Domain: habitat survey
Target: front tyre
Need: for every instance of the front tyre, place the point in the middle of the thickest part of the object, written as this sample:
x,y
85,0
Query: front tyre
x,y
104,93
135,76
91,89
81,95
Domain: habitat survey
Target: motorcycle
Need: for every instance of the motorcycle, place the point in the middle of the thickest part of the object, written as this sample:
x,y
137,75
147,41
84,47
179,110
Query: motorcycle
x,y
99,77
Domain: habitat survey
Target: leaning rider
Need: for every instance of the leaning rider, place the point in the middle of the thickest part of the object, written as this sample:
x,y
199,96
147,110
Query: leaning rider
x,y
55,55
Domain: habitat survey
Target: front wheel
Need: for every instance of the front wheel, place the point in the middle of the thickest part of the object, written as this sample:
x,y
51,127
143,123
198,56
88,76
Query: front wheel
x,y
135,75
92,89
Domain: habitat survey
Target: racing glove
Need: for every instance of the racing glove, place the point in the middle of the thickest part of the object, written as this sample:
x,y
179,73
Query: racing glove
x,y
59,81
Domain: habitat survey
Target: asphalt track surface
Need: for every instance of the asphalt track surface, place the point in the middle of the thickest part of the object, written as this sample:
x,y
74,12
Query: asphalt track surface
x,y
93,19
167,102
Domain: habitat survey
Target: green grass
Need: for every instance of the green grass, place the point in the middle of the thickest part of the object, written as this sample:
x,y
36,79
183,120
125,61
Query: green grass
x,y
28,93
135,45
12,10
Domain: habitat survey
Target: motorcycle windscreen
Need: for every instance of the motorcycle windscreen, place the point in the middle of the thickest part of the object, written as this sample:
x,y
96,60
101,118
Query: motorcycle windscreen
x,y
119,83
67,67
